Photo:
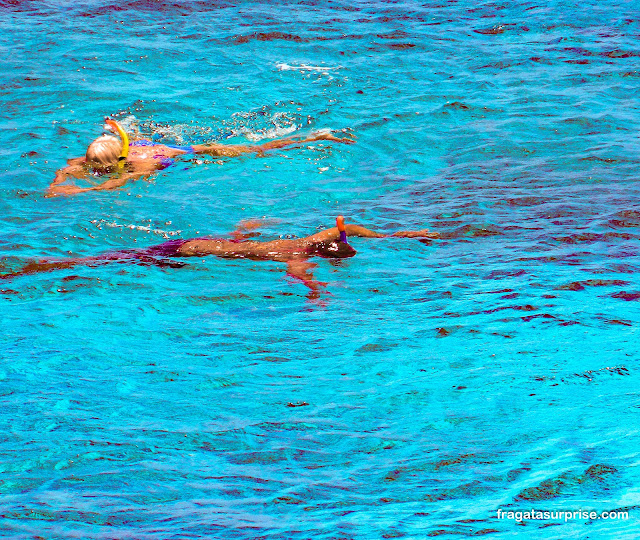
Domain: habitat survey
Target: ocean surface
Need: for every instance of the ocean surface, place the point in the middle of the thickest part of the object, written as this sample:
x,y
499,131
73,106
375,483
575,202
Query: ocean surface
x,y
431,384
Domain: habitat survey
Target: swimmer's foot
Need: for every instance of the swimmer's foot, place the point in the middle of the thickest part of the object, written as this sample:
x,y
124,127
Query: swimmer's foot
x,y
326,135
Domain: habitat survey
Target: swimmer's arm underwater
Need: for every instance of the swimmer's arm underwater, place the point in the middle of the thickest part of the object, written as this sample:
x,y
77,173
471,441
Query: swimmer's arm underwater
x,y
74,169
57,188
77,168
302,270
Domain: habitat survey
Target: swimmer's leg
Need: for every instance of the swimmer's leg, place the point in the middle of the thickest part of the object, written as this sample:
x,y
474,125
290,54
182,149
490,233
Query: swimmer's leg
x,y
147,260
36,267
221,150
324,135
234,150
131,256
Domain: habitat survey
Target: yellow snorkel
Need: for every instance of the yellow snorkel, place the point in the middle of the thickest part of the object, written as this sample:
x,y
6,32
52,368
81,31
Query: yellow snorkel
x,y
125,140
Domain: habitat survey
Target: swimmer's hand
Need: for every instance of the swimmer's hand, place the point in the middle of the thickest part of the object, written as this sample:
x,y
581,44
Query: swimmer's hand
x,y
423,233
328,136
64,190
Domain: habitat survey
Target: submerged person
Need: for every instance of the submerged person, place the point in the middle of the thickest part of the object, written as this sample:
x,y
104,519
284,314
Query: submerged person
x,y
330,243
118,160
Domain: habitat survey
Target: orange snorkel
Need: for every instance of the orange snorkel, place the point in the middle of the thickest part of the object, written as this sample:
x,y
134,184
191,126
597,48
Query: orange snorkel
x,y
114,126
341,229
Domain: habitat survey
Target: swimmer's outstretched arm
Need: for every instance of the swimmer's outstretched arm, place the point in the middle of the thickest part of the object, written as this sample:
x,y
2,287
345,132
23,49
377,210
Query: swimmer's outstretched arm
x,y
357,230
234,150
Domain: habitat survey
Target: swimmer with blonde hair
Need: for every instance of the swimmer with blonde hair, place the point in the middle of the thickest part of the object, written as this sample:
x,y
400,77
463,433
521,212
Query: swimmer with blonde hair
x,y
120,160
295,253
103,152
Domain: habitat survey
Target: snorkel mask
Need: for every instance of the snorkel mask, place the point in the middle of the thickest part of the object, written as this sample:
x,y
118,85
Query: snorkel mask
x,y
337,249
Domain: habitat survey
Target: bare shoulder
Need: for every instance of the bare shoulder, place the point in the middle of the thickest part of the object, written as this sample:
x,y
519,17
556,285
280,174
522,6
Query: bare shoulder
x,y
156,152
144,166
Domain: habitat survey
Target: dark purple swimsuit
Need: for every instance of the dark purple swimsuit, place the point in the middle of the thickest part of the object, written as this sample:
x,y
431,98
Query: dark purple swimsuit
x,y
168,249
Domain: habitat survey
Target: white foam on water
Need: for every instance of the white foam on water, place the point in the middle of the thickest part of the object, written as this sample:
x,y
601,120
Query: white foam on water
x,y
272,133
99,223
304,67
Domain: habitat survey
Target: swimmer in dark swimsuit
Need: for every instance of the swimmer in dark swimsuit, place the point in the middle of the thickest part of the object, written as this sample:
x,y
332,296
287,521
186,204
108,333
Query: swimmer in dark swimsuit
x,y
330,243
120,161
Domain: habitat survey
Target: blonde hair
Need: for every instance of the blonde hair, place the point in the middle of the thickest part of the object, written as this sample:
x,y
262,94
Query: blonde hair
x,y
104,151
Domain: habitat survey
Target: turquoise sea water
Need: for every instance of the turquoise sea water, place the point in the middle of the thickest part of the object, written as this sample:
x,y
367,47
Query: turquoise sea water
x,y
433,384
